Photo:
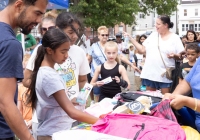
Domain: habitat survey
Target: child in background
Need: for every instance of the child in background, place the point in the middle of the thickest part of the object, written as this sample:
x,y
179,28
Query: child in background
x,y
25,110
112,69
47,89
192,52
131,55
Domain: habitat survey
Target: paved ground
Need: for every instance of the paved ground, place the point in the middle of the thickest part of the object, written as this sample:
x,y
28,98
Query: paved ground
x,y
131,77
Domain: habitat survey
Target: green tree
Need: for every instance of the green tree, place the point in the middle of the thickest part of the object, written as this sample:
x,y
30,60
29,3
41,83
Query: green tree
x,y
112,12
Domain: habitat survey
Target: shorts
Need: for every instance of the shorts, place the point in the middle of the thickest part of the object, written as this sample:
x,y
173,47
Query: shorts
x,y
154,84
97,90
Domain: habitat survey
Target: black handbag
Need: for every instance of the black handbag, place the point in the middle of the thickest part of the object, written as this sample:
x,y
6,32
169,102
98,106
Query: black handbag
x,y
132,96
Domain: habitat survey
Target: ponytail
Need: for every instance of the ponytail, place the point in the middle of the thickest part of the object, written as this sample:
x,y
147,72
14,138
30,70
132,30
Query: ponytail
x,y
32,98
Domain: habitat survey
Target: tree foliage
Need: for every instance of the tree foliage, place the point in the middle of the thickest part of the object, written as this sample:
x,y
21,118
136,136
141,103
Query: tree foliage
x,y
111,12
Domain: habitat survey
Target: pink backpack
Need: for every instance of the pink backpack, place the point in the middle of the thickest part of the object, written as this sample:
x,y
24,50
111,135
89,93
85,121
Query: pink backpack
x,y
139,127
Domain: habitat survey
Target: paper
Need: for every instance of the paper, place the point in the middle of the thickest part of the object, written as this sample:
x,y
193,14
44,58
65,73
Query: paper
x,y
107,80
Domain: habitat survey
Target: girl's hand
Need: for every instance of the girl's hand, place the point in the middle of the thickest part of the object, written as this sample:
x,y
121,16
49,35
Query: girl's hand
x,y
178,101
99,83
117,79
74,101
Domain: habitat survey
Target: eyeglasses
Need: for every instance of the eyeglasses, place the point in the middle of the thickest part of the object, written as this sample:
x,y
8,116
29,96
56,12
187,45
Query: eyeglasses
x,y
104,35
45,29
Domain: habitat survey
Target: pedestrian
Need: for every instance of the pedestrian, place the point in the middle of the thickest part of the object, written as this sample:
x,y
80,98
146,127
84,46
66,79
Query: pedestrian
x,y
162,48
24,14
48,93
192,51
110,68
97,57
48,22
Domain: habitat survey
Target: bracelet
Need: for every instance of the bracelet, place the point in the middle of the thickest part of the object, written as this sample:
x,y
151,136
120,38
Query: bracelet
x,y
196,104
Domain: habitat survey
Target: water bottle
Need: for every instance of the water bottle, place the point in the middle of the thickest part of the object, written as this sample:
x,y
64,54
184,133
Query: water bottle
x,y
184,73
126,41
81,97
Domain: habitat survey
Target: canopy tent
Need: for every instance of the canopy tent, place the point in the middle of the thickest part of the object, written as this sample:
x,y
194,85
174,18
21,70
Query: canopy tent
x,y
58,4
53,4
3,4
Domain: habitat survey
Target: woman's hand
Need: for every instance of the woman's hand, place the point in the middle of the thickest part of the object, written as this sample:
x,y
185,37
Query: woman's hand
x,y
171,55
127,35
99,83
178,101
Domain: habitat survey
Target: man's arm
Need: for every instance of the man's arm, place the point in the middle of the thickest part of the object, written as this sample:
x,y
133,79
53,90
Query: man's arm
x,y
9,110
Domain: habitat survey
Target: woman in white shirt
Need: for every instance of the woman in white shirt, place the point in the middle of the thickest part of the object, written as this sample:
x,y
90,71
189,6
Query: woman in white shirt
x,y
170,45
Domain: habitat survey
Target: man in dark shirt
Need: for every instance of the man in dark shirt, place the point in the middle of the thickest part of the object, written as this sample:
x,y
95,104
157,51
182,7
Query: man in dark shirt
x,y
24,14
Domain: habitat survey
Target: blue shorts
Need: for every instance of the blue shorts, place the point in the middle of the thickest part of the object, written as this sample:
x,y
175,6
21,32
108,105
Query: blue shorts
x,y
97,90
154,84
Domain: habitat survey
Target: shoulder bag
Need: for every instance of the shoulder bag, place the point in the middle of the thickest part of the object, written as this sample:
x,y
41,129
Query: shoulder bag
x,y
169,70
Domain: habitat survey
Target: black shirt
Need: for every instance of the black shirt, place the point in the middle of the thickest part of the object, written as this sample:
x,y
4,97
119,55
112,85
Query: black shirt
x,y
112,88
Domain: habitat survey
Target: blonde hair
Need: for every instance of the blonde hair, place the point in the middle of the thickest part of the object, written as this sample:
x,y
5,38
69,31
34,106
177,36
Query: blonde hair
x,y
104,28
112,44
48,16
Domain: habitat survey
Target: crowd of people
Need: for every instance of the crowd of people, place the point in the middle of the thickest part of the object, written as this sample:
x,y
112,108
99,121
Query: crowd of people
x,y
45,86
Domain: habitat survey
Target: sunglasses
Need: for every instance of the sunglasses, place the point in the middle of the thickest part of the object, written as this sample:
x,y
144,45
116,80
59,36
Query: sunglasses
x,y
46,29
104,35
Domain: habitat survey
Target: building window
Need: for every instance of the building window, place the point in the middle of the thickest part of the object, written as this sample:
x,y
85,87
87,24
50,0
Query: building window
x,y
141,15
199,28
183,27
195,27
185,12
146,25
186,25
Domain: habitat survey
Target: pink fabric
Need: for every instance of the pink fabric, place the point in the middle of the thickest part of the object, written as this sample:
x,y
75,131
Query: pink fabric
x,y
127,125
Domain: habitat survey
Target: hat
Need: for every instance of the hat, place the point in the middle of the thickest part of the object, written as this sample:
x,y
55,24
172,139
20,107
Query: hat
x,y
118,35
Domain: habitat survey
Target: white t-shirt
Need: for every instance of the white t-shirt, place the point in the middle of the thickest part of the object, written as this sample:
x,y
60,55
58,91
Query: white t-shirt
x,y
154,67
51,117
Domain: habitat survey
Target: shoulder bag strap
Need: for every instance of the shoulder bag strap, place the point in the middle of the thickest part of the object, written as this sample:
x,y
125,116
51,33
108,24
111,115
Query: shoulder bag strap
x,y
160,53
101,51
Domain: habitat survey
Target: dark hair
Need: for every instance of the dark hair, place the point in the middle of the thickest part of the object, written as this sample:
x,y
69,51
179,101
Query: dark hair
x,y
191,31
26,2
66,19
166,20
193,46
141,37
53,38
